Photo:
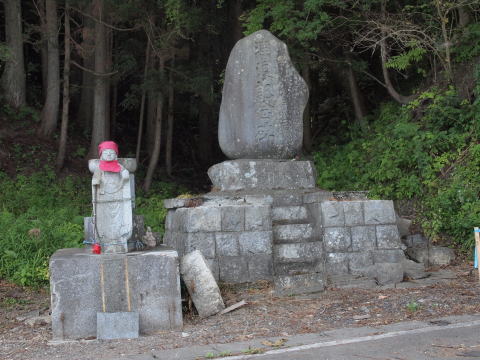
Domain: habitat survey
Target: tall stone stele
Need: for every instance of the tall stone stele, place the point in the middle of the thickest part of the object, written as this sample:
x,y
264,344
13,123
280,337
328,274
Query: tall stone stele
x,y
262,101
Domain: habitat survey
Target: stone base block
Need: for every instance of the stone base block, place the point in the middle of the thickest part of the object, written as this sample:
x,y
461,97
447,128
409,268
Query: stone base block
x,y
262,175
83,284
299,284
117,325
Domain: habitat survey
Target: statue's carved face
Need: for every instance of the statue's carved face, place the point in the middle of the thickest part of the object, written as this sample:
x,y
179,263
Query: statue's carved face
x,y
108,155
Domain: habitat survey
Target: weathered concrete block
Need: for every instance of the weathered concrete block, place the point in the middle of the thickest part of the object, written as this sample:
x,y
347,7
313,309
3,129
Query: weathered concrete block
x,y
333,214
201,284
359,261
363,238
388,237
296,268
233,269
233,218
379,212
76,290
203,218
119,325
282,198
205,242
169,220
316,197
260,267
348,281
175,240
301,252
299,284
353,211
179,219
292,232
227,244
388,256
258,218
256,242
337,263
387,273
289,213
337,239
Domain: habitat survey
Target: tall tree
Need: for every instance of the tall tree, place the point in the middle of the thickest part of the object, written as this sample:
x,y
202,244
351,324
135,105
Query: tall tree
x,y
49,116
13,79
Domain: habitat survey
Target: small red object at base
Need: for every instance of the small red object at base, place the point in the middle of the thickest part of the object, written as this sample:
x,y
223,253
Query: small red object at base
x,y
96,249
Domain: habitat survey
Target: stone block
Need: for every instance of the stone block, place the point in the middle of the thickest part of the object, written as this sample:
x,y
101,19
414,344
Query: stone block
x,y
260,267
289,214
316,197
75,285
258,218
214,268
175,240
388,256
299,284
363,238
416,240
233,218
291,198
174,203
169,220
337,239
205,242
261,174
347,281
413,270
298,252
332,213
227,244
297,268
387,273
403,225
292,233
201,284
337,263
258,199
353,211
388,237
379,212
118,325
203,219
359,261
179,220
255,242
233,269
434,255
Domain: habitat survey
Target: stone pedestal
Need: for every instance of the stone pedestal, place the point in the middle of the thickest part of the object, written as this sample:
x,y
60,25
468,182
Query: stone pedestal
x,y
83,284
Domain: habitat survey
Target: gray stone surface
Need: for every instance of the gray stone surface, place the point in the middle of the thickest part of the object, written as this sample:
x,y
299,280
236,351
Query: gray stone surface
x,y
298,252
358,261
203,219
201,284
296,268
337,263
387,273
205,242
289,214
255,242
403,226
75,286
263,100
379,212
118,325
258,218
233,269
317,196
433,255
333,214
227,244
293,232
260,267
236,175
233,218
388,237
363,238
416,240
299,284
413,270
337,239
388,256
353,211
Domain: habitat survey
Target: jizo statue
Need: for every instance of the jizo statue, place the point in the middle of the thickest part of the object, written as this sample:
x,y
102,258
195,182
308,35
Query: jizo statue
x,y
112,200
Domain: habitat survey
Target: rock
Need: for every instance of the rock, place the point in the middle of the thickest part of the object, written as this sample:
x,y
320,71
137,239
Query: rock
x,y
403,225
28,315
149,238
416,240
39,321
263,100
201,284
413,270
432,256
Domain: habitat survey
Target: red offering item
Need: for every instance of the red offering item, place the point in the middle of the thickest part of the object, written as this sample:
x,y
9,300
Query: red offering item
x,y
96,249
111,166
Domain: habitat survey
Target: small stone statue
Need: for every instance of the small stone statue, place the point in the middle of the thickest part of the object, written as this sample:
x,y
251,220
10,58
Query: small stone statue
x,y
112,200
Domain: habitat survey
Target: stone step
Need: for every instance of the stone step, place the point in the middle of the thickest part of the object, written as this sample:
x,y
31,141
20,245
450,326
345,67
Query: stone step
x,y
293,233
299,284
289,214
297,268
297,252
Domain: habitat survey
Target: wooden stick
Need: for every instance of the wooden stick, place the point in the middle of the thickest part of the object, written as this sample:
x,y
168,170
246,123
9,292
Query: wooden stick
x,y
477,247
127,286
233,307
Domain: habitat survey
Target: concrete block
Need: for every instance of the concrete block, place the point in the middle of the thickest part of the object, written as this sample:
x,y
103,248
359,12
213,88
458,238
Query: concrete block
x,y
260,267
298,252
203,219
388,237
227,244
201,284
299,284
118,325
205,242
76,290
379,212
347,281
233,269
316,197
169,220
337,239
360,260
179,220
353,211
175,240
387,273
289,214
292,232
290,198
258,218
332,213
363,238
297,268
388,256
337,263
258,199
233,218
256,242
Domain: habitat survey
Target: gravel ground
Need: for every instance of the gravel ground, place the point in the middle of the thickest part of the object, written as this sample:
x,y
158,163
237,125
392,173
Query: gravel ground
x,y
264,316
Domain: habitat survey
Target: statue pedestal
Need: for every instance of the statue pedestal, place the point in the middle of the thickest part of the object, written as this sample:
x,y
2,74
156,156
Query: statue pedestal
x,y
83,284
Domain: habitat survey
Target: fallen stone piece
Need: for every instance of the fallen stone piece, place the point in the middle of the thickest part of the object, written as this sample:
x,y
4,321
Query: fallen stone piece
x,y
201,284
432,256
39,320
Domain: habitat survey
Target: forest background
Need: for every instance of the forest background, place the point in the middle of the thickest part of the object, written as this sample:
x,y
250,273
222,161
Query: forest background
x,y
394,106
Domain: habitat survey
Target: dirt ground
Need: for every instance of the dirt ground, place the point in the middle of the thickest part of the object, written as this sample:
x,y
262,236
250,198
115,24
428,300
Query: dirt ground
x,y
264,316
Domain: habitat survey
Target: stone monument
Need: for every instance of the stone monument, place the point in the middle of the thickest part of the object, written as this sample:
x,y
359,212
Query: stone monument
x,y
265,218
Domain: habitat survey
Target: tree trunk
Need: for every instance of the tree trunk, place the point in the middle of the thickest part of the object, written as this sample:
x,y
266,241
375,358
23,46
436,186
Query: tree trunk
x,y
108,83
204,132
237,24
66,95
443,18
43,45
150,125
100,87
152,165
307,127
357,99
13,78
142,103
49,116
170,120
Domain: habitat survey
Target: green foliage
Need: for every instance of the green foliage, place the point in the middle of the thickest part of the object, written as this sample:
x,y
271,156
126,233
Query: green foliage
x,y
427,151
469,45
413,306
402,61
